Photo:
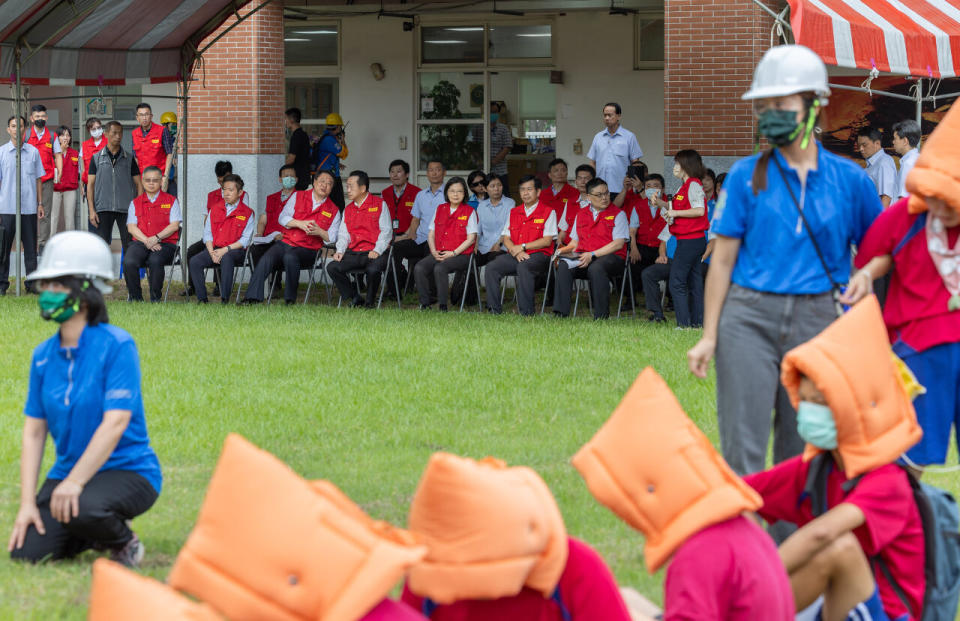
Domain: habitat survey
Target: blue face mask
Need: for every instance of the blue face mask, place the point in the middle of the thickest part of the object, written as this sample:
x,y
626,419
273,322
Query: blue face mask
x,y
494,117
815,425
288,183
651,193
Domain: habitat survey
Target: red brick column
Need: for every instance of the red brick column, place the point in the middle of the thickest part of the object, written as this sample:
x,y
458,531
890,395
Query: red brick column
x,y
712,49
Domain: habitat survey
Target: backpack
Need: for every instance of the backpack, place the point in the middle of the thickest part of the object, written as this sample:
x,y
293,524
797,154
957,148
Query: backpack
x,y
429,606
940,519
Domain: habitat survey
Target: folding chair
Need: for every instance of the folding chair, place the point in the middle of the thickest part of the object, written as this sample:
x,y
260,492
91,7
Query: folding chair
x,y
627,276
391,269
243,267
472,266
173,263
319,262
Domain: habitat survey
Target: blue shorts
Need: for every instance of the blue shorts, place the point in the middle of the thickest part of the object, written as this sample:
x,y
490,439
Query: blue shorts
x,y
870,609
938,370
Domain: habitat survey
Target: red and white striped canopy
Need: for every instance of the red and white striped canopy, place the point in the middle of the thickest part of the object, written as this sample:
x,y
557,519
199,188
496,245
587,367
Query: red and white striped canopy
x,y
906,37
106,42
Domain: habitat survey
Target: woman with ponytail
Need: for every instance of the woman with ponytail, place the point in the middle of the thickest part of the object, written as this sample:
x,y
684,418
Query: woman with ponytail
x,y
784,224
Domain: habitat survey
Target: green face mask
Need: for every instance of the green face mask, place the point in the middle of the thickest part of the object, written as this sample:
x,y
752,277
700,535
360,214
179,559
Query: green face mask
x,y
57,305
780,127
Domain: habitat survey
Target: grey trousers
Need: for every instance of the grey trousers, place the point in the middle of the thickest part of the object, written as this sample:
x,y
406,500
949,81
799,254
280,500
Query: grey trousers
x,y
43,224
756,330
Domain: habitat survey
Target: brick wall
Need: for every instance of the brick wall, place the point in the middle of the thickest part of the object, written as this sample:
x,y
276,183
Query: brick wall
x,y
236,101
712,49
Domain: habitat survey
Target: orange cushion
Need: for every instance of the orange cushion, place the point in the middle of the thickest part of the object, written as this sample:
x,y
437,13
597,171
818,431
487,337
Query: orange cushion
x,y
119,594
937,171
270,545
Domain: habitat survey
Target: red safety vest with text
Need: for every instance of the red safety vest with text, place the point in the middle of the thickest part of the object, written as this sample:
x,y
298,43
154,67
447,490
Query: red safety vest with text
x,y
401,207
303,209
450,229
272,210
70,177
89,150
525,229
688,228
650,226
363,223
567,195
149,148
227,229
595,234
154,217
44,145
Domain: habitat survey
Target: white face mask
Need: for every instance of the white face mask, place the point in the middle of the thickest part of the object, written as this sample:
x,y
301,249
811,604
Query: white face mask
x,y
96,133
651,193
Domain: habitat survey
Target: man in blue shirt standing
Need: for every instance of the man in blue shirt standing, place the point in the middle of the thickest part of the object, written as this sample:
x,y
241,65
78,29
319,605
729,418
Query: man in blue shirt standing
x,y
881,168
412,245
31,172
613,149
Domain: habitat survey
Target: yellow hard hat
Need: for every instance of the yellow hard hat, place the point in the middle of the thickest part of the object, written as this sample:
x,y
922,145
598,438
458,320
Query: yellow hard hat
x,y
168,117
334,119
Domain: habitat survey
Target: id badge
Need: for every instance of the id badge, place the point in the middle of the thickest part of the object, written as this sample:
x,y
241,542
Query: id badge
x,y
396,223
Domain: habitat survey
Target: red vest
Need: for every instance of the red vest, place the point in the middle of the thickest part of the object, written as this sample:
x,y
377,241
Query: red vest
x,y
227,229
363,223
595,234
44,145
648,232
524,229
688,228
154,217
89,150
400,208
303,210
149,148
273,209
450,230
214,198
573,208
566,196
70,178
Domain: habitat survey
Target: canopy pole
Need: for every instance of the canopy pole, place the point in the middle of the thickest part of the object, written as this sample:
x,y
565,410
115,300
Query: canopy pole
x,y
186,176
920,102
19,147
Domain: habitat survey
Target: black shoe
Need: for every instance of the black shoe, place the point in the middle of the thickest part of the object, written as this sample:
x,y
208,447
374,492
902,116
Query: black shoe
x,y
203,301
559,314
424,307
657,319
216,292
225,300
356,302
443,308
3,292
289,302
494,312
30,288
249,302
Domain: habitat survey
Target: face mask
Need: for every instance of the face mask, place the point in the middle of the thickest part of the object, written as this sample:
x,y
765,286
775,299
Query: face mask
x,y
651,193
57,305
815,425
96,133
780,127
40,123
172,128
288,183
494,117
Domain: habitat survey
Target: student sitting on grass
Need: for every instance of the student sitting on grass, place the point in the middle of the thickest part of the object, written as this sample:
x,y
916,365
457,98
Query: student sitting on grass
x,y
856,417
498,549
658,472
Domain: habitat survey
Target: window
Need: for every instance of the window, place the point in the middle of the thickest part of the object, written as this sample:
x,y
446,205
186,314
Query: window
x,y
649,42
306,44
521,41
316,98
451,95
451,44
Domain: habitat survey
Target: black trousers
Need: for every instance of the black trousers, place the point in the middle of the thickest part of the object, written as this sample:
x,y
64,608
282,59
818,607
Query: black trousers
x,y
107,501
193,250
648,256
601,272
339,272
137,256
526,272
686,281
203,260
291,258
651,279
430,270
28,239
411,251
460,284
105,228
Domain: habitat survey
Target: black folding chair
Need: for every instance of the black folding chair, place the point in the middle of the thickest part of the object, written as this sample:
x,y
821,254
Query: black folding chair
x,y
624,279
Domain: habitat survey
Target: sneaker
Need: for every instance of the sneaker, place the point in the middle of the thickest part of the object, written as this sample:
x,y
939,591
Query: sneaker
x,y
130,554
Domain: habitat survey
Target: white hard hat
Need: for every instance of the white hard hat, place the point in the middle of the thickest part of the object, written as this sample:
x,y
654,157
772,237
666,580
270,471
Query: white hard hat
x,y
76,253
787,70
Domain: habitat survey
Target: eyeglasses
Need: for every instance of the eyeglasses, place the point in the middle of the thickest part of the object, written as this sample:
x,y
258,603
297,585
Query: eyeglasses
x,y
478,184
600,194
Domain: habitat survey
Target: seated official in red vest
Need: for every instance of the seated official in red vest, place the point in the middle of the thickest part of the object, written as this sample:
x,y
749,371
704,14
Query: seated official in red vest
x,y
153,220
560,193
269,229
362,242
310,220
528,239
583,175
400,195
226,235
452,237
215,197
598,249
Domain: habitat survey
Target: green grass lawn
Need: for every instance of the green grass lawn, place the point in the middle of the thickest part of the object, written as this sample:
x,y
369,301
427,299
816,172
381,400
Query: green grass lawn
x,y
359,397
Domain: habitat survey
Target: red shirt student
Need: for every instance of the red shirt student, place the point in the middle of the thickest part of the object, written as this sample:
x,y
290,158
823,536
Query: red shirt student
x,y
153,220
400,195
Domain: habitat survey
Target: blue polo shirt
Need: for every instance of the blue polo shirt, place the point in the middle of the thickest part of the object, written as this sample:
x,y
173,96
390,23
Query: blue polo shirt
x,y
328,153
776,254
71,388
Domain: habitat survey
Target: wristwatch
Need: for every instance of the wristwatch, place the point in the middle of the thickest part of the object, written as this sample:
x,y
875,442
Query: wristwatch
x,y
523,247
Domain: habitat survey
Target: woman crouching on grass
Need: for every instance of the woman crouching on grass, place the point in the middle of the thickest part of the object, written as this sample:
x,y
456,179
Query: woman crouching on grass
x,y
85,390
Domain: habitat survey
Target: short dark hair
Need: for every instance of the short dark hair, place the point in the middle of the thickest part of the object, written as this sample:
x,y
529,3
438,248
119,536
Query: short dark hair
x,y
294,114
38,108
23,121
614,105
495,103
585,168
455,181
656,177
283,168
556,161
870,132
88,295
91,121
492,177
536,181
325,171
362,178
235,178
222,168
144,104
908,129
151,169
403,163
436,161
112,124
690,163
596,181
65,128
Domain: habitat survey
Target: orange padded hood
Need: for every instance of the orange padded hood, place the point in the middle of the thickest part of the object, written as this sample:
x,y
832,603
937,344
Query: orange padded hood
x,y
852,365
656,470
937,171
490,531
270,545
119,594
